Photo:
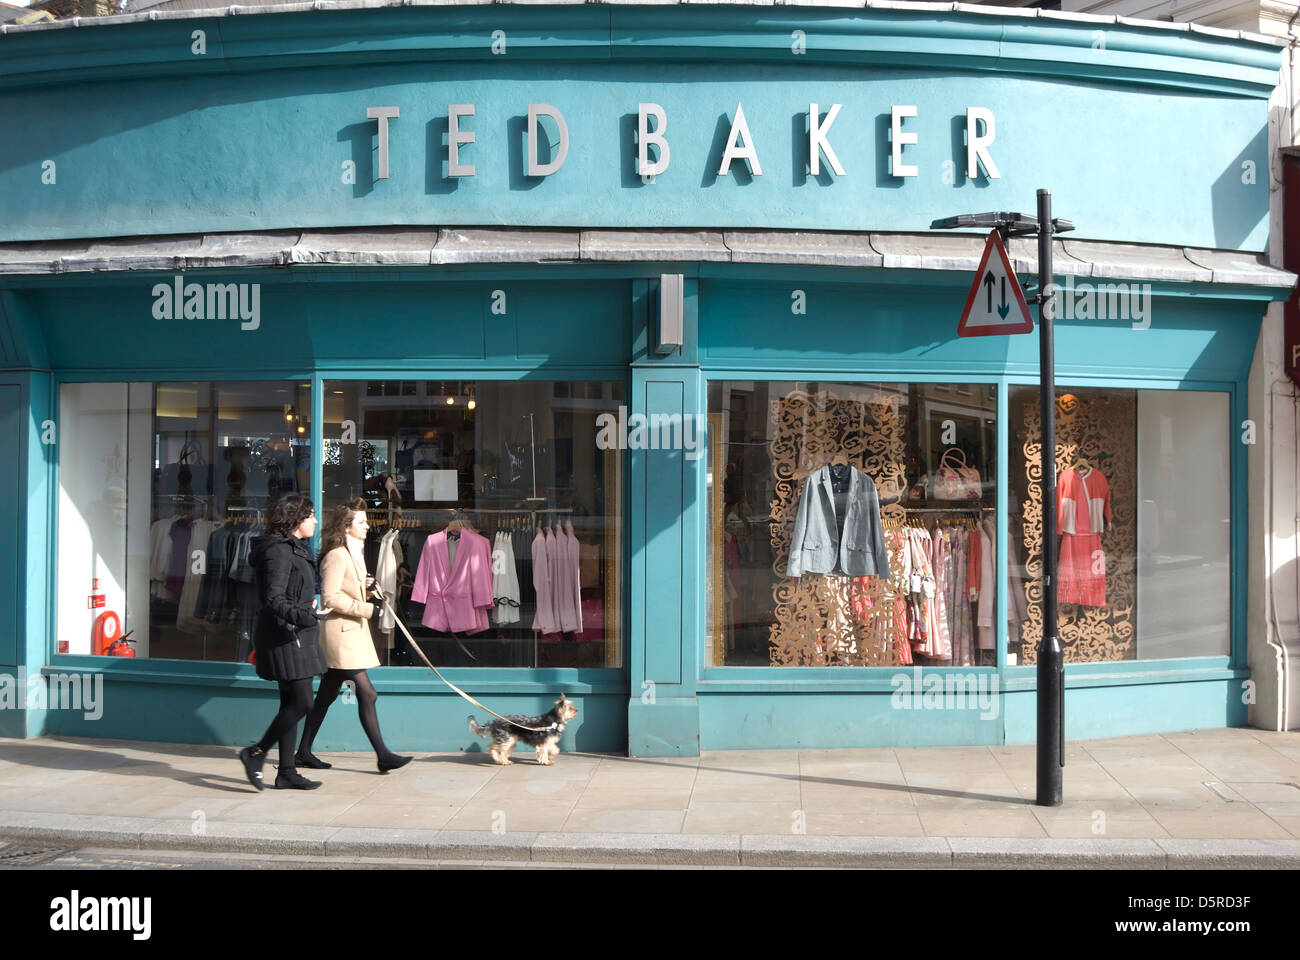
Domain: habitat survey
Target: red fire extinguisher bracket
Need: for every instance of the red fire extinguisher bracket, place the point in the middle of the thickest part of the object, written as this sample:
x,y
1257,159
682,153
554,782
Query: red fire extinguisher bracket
x,y
107,630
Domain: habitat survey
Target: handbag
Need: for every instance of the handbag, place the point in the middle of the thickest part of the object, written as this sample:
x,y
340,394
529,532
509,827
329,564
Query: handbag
x,y
512,472
954,480
190,475
527,466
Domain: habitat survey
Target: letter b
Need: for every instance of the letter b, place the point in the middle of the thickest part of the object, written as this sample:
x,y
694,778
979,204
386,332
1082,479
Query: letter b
x,y
645,137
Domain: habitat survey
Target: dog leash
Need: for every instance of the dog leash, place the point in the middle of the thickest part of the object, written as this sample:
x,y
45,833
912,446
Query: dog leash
x,y
411,640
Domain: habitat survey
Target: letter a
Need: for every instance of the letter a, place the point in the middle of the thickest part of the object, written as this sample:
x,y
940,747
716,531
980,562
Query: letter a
x,y
735,151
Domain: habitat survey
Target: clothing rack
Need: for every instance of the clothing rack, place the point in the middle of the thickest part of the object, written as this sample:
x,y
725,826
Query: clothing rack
x,y
977,509
246,515
516,511
427,513
463,513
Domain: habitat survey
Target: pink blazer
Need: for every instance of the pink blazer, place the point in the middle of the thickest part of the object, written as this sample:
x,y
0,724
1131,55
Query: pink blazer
x,y
456,597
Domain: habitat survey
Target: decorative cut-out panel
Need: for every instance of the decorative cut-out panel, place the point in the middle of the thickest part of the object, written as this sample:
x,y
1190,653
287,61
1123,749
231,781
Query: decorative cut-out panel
x,y
834,621
1101,427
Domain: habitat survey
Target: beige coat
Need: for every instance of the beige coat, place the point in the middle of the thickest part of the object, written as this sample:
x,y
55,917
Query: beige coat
x,y
345,640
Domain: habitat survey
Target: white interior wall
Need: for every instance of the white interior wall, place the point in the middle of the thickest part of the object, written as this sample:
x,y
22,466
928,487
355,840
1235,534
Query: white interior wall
x,y
1184,599
92,506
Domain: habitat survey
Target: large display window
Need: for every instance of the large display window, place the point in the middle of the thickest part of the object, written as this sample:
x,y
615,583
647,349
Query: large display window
x,y
851,524
492,489
162,487
1143,511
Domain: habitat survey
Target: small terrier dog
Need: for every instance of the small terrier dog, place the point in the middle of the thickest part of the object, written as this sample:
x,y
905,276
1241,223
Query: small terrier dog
x,y
545,742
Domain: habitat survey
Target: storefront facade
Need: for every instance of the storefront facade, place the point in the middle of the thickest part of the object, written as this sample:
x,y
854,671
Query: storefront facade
x,y
648,279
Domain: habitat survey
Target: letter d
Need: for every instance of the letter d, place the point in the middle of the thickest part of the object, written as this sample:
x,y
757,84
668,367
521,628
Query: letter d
x,y
536,169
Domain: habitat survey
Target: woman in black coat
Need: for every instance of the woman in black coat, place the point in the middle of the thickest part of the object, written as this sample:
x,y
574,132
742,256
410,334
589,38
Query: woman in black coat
x,y
284,635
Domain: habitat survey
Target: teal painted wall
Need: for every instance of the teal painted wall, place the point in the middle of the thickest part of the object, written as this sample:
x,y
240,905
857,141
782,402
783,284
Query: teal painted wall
x,y
549,329
11,451
226,703
910,331
25,555
25,562
665,701
155,139
890,331
1121,711
763,720
254,134
340,327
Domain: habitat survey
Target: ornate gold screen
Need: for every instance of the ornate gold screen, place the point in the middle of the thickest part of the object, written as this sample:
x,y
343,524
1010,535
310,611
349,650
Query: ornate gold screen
x,y
1102,428
808,429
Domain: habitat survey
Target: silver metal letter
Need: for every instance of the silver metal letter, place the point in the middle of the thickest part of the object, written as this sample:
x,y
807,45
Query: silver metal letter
x,y
536,169
645,137
817,142
733,152
976,146
455,137
383,115
899,140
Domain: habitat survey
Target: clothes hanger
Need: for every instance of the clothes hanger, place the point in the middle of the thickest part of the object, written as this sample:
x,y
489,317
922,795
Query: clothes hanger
x,y
1082,464
840,459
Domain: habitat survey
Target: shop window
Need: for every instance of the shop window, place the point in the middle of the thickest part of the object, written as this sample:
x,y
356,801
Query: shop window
x,y
511,468
905,472
161,489
1143,514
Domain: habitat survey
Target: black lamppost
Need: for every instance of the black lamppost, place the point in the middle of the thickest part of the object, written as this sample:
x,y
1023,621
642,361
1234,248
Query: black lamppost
x,y
1051,658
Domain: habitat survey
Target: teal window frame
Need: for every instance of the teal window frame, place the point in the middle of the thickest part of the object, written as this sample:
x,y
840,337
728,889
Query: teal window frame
x,y
522,680
725,679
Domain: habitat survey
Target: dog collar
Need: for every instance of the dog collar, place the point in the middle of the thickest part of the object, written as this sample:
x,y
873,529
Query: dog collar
x,y
552,726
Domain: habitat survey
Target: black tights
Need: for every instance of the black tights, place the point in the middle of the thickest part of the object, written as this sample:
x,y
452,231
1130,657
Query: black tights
x,y
330,685
295,702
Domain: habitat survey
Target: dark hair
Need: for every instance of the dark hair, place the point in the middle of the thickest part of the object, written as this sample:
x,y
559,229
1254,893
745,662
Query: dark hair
x,y
287,513
336,527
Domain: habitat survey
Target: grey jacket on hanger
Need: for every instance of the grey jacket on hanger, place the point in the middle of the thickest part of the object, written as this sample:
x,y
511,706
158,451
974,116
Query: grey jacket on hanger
x,y
816,544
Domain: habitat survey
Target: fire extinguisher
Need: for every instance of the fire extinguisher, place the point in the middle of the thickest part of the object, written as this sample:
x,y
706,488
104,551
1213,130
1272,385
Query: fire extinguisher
x,y
120,647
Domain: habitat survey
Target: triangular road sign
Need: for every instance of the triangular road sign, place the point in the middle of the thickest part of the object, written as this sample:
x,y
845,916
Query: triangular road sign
x,y
996,304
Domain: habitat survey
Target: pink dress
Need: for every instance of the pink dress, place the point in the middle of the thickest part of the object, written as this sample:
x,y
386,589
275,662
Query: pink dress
x,y
544,618
1083,508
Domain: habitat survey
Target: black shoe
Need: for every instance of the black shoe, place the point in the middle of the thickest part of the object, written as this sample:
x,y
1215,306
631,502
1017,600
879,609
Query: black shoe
x,y
293,780
311,761
252,758
392,762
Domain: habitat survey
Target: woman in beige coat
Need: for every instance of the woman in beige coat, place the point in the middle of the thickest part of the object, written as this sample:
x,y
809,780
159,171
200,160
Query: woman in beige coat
x,y
345,636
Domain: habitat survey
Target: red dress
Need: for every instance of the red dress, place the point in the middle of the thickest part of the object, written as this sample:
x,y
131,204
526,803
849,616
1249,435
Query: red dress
x,y
1083,510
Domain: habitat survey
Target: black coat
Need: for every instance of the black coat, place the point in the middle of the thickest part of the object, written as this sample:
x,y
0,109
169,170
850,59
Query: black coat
x,y
285,634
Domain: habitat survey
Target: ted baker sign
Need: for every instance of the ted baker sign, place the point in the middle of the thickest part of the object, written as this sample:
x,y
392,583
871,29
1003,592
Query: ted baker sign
x,y
654,150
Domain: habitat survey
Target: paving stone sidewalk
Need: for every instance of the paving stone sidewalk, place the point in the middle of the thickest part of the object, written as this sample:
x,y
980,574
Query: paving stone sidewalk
x,y
1209,798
